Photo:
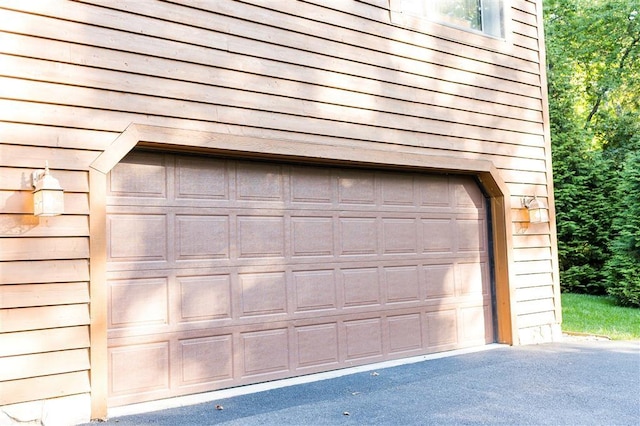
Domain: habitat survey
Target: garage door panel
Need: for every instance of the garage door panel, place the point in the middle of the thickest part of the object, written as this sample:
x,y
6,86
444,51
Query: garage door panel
x,y
312,236
438,235
470,235
260,236
139,175
312,185
137,237
398,190
213,296
400,236
201,178
442,328
205,360
471,278
315,290
242,272
467,193
358,236
204,297
405,333
434,191
402,284
474,322
363,338
356,187
361,287
139,369
202,237
440,280
255,345
262,294
317,345
138,302
259,181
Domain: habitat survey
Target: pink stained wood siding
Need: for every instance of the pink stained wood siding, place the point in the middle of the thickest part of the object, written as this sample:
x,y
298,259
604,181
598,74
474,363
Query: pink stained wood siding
x,y
75,74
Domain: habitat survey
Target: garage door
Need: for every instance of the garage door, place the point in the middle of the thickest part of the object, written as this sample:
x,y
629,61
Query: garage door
x,y
224,272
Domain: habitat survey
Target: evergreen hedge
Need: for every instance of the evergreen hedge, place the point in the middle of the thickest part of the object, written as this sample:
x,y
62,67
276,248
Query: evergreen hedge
x,y
623,268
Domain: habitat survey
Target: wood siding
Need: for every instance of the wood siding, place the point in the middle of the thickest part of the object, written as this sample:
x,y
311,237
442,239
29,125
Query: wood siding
x,y
338,73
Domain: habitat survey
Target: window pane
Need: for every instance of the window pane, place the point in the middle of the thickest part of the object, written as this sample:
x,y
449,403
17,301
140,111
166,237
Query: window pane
x,y
415,7
493,18
463,13
479,15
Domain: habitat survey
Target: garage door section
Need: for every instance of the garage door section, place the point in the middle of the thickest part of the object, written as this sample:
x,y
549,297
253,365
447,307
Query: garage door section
x,y
223,272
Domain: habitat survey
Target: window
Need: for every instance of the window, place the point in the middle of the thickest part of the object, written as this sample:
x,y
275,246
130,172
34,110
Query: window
x,y
478,15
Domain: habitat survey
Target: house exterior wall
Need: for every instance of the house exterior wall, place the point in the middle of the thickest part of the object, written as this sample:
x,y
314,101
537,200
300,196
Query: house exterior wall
x,y
341,75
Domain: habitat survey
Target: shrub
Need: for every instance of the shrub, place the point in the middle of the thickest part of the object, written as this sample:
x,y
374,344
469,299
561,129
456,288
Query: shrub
x,y
622,270
584,187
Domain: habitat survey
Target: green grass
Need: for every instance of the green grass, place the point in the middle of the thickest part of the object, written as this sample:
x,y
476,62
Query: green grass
x,y
582,313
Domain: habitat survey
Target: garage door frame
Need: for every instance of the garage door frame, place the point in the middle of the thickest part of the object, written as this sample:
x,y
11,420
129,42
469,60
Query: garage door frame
x,y
179,140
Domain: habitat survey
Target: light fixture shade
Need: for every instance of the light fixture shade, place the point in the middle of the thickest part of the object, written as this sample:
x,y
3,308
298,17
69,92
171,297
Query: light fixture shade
x,y
48,196
538,211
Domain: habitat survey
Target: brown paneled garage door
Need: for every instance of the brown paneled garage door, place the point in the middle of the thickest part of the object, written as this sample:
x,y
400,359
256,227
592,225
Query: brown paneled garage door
x,y
225,272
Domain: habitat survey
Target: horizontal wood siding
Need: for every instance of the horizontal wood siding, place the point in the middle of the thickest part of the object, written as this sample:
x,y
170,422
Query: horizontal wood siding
x,y
44,364
44,293
35,271
75,74
48,340
51,386
17,296
20,319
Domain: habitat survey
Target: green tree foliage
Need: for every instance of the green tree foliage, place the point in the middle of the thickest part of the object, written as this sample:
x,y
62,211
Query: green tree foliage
x,y
623,268
593,58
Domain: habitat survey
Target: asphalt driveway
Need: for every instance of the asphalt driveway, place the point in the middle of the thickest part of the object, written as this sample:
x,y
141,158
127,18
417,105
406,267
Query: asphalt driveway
x,y
578,382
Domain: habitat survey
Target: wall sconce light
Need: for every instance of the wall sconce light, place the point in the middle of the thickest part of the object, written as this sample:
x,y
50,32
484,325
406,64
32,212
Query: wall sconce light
x,y
538,210
48,195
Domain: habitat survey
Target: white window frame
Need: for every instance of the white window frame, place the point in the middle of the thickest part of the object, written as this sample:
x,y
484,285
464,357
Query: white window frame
x,y
494,22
